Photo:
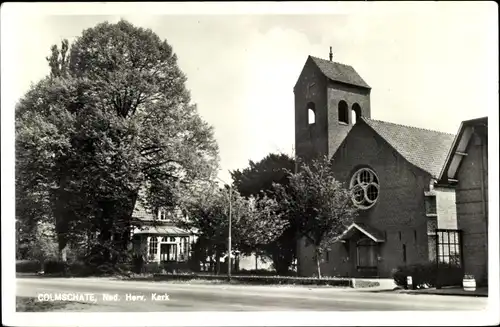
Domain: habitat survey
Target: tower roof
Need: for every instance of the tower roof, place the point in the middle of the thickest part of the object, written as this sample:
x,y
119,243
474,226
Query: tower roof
x,y
339,72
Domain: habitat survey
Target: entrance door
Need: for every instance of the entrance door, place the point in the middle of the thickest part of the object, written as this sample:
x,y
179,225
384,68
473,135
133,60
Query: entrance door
x,y
366,258
168,252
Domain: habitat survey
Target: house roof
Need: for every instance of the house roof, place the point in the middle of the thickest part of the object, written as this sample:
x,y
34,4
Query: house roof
x,y
425,149
141,213
339,72
458,149
368,231
161,230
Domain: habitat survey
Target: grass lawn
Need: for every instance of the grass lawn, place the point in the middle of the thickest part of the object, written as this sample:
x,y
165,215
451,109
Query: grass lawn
x,y
31,304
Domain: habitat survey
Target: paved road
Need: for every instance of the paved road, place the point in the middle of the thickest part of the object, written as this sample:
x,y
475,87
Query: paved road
x,y
214,297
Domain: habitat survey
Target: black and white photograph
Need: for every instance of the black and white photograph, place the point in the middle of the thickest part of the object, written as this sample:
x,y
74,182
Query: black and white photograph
x,y
249,163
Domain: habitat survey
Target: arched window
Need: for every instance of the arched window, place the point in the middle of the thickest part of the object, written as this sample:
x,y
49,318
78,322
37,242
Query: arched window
x,y
356,113
343,112
311,112
365,187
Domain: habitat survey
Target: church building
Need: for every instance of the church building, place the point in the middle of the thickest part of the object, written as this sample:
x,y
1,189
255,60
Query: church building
x,y
392,168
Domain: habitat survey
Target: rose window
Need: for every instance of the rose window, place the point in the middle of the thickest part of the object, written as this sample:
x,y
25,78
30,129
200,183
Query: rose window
x,y
365,188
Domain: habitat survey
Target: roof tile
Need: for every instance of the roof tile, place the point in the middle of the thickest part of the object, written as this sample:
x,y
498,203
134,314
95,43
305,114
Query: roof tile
x,y
426,149
339,72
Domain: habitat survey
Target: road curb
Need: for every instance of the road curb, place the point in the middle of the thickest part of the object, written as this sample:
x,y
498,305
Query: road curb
x,y
443,293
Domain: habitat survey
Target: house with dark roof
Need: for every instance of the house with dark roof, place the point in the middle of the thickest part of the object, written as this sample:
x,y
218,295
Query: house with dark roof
x,y
157,238
466,171
391,168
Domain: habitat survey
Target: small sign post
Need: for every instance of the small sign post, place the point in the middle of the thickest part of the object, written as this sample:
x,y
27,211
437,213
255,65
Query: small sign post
x,y
409,282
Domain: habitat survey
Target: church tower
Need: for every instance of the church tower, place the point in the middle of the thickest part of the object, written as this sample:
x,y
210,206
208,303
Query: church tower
x,y
329,98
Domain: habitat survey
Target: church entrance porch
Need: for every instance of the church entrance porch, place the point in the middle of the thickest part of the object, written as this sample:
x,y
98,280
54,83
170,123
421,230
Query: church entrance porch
x,y
362,244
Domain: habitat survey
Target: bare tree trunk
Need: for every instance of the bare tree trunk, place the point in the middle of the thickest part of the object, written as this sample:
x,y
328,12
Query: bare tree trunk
x,y
318,265
217,263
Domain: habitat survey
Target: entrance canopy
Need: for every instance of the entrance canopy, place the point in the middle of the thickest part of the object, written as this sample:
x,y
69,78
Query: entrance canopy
x,y
368,231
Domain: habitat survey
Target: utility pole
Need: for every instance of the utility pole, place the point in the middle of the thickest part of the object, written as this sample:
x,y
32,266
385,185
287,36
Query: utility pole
x,y
229,235
230,188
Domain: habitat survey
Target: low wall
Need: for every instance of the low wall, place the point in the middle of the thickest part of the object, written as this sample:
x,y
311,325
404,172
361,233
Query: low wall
x,y
269,280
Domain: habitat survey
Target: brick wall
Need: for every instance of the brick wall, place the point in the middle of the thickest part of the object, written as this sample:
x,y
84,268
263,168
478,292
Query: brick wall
x,y
471,211
399,212
311,87
338,92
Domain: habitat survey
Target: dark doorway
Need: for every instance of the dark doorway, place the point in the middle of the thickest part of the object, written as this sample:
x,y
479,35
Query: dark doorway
x,y
168,252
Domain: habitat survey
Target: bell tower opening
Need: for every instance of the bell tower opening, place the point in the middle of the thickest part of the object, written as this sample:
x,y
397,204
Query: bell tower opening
x,y
356,113
343,112
311,113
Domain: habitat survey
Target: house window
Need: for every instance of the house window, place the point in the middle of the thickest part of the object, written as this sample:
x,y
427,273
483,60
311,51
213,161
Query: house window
x,y
163,214
430,205
153,246
365,188
343,112
168,252
172,239
186,248
311,111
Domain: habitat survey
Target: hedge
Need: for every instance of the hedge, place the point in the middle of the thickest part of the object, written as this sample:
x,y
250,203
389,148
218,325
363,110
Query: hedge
x,y
54,267
428,275
260,280
256,272
28,266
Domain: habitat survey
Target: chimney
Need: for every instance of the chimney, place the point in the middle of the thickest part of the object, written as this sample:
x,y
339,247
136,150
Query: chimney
x,y
331,54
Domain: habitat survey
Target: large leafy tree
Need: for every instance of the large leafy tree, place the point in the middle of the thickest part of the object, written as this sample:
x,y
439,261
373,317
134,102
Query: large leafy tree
x,y
114,116
258,178
319,204
255,221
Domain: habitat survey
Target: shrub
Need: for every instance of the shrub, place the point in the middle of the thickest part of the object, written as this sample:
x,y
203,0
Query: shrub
x,y
256,272
137,264
428,274
260,280
80,269
152,268
28,266
54,267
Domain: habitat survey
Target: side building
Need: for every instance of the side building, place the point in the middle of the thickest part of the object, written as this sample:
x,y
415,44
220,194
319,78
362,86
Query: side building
x,y
466,171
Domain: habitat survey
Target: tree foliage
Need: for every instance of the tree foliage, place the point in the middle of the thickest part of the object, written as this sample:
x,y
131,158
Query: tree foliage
x,y
255,221
114,116
258,178
319,204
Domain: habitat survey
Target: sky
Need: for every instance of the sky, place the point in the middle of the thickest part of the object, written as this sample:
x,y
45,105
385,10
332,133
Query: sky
x,y
429,66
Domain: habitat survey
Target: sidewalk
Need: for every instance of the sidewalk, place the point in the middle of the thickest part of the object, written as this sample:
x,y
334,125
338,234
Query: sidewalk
x,y
457,291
